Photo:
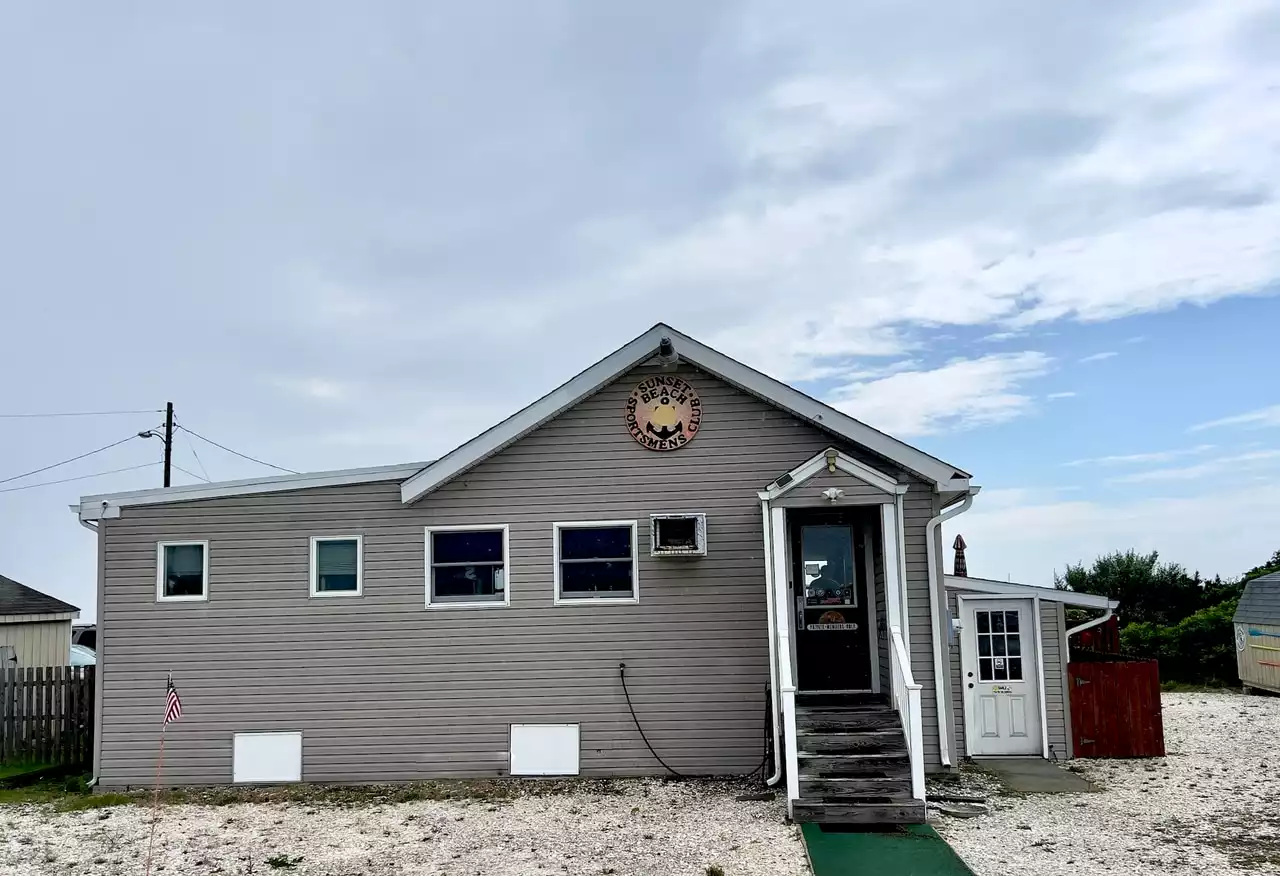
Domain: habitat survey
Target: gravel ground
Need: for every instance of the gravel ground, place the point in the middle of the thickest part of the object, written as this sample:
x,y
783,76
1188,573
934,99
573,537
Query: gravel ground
x,y
1211,807
642,827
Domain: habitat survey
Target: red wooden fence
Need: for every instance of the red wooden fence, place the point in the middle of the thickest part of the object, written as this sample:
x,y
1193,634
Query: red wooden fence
x,y
1115,707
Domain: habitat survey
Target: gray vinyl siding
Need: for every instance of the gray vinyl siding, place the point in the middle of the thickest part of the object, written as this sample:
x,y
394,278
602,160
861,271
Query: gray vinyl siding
x,y
1057,703
957,681
919,506
1052,620
385,690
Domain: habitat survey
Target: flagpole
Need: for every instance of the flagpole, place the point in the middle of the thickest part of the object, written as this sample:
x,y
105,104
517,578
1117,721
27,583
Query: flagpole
x,y
155,794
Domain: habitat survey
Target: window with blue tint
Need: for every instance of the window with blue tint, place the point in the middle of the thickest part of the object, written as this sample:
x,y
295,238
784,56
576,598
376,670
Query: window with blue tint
x,y
596,562
337,566
467,566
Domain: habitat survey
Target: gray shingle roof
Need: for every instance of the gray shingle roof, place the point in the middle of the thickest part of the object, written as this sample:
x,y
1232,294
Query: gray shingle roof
x,y
1261,601
18,598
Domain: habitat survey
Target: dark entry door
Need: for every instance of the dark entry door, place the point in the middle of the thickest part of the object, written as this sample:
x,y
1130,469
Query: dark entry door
x,y
833,651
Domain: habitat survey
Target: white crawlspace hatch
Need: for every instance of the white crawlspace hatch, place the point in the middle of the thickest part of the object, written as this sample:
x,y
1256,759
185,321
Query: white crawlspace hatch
x,y
544,749
267,758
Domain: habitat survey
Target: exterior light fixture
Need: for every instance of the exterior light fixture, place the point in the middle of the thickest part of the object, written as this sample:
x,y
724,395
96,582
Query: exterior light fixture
x,y
831,459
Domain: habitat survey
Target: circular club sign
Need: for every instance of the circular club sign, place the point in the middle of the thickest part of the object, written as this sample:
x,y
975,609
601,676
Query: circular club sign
x,y
664,413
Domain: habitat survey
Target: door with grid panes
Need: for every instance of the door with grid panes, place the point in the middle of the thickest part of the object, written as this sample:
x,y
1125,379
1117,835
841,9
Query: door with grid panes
x,y
1001,678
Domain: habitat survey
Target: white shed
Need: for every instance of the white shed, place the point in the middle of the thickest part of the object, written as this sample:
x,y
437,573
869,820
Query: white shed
x,y
35,628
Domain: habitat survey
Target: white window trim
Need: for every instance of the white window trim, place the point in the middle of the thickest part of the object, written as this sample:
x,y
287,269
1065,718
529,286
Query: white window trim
x,y
633,599
506,565
315,566
160,549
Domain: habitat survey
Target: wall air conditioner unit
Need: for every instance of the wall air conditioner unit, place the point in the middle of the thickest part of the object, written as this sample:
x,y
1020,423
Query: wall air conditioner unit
x,y
677,535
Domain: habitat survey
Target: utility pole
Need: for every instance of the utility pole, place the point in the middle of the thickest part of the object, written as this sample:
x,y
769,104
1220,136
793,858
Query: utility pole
x,y
168,440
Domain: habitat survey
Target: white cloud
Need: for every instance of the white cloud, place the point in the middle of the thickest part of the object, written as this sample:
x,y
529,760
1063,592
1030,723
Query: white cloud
x,y
959,395
1002,336
1136,339
317,388
1029,535
1221,465
1098,357
1261,417
1058,395
1139,458
868,211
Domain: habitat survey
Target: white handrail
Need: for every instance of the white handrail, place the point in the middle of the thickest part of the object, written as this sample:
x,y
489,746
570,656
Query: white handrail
x,y
906,699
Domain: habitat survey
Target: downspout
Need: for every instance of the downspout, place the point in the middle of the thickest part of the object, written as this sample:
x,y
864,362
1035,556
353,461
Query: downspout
x,y
1091,624
769,586
938,596
93,780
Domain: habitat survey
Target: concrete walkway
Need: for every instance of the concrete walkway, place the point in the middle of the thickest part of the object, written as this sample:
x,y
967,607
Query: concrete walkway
x,y
1035,775
911,850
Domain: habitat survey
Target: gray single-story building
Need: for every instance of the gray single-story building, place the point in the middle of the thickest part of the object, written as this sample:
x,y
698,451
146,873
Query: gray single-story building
x,y
35,628
1010,696
1257,626
669,532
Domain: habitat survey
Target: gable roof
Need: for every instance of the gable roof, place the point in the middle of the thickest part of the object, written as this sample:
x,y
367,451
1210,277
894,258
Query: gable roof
x,y
1260,603
947,477
18,598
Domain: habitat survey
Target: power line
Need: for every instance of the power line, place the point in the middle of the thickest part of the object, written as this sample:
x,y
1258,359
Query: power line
x,y
192,445
236,452
65,461
74,414
80,478
185,472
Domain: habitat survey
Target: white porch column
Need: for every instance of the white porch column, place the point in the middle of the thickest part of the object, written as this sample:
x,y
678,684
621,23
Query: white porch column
x,y
786,676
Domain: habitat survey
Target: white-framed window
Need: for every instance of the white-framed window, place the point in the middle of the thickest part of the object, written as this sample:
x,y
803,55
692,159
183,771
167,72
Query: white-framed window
x,y
596,562
468,566
337,565
182,571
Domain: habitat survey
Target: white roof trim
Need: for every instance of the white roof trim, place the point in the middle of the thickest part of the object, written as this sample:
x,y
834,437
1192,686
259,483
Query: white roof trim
x,y
818,463
946,477
47,617
109,505
1007,588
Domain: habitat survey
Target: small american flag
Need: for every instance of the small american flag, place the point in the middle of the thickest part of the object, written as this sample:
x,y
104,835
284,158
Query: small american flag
x,y
172,704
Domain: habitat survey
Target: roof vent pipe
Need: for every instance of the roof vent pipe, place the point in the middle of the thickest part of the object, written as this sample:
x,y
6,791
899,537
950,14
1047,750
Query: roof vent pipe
x,y
667,353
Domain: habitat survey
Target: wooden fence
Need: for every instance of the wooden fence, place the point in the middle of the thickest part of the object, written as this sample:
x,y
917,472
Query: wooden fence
x,y
46,715
1115,706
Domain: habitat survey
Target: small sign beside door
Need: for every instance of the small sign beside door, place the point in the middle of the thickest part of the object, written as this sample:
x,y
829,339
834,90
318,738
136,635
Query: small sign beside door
x,y
831,620
1001,689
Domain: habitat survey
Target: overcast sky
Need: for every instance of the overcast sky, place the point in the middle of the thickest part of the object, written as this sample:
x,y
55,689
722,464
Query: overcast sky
x,y
1038,240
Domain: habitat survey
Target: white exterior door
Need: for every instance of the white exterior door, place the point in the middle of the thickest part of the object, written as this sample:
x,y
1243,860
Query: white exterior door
x,y
1001,677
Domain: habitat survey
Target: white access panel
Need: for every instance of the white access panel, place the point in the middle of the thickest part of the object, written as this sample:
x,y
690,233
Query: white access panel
x,y
267,758
544,749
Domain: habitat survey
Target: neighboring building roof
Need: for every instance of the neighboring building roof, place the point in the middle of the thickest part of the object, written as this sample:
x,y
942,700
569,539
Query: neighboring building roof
x,y
947,477
423,477
1050,594
18,598
1260,603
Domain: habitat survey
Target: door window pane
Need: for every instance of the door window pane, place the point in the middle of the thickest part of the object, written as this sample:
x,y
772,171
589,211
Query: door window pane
x,y
1015,669
1010,621
997,622
830,575
984,669
984,622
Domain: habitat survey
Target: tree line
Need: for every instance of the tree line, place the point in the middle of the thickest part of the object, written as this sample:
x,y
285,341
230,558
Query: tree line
x,y
1180,618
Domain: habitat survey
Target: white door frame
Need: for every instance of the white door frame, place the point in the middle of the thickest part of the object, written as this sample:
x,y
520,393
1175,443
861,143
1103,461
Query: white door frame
x,y
968,658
